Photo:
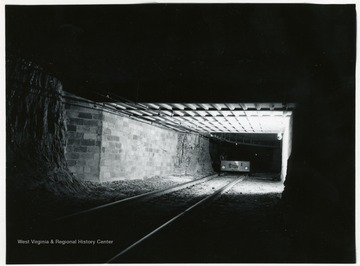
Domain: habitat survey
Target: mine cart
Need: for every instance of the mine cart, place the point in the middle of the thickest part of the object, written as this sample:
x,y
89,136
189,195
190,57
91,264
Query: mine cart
x,y
235,166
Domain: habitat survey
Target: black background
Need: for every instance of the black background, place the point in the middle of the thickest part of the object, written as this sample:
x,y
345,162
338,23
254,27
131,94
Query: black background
x,y
190,52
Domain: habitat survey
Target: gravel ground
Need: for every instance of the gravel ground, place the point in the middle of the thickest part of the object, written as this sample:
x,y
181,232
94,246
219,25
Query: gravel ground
x,y
240,226
242,210
102,193
184,198
253,194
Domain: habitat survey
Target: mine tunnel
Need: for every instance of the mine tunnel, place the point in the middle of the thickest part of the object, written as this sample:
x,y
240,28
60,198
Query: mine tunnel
x,y
185,139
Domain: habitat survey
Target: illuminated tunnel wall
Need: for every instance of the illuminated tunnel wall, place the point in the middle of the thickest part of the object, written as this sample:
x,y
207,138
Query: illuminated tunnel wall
x,y
103,146
286,147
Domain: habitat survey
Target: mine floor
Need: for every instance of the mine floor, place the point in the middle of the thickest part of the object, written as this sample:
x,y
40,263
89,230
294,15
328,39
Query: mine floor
x,y
242,225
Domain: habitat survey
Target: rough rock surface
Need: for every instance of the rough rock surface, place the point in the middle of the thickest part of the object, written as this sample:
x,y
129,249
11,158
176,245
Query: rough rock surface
x,y
192,155
319,196
35,131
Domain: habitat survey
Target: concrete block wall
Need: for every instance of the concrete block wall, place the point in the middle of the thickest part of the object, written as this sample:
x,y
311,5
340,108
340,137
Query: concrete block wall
x,y
103,146
133,150
83,139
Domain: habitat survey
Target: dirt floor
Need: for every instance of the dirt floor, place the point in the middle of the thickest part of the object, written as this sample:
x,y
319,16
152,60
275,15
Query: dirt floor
x,y
103,193
243,225
244,219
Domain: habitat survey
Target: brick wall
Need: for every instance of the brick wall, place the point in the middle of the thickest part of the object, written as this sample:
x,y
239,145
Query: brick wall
x,y
83,139
103,146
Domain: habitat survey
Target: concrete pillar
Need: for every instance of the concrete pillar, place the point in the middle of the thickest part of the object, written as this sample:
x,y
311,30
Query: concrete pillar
x,y
286,147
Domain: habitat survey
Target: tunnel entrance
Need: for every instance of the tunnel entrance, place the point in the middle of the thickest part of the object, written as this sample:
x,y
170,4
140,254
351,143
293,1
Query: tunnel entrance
x,y
260,133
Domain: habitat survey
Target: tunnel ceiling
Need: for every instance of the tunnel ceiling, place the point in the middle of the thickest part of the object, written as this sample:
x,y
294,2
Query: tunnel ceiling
x,y
189,52
208,118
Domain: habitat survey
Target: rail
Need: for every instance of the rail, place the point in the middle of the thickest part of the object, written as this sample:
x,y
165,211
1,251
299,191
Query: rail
x,y
212,196
142,196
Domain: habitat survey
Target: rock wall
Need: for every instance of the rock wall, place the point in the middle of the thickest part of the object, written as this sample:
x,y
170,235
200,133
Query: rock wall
x,y
192,155
35,130
55,139
319,195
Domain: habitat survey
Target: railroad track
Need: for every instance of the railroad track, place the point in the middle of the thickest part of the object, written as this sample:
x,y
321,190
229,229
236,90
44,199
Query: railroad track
x,y
140,197
210,197
127,222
